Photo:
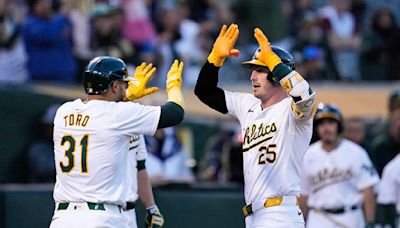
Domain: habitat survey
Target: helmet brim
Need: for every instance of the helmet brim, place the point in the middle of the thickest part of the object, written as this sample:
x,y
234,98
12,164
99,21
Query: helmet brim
x,y
253,62
128,79
326,115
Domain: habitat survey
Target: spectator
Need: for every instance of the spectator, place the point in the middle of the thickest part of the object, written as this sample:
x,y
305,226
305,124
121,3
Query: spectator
x,y
313,64
169,36
13,57
48,40
77,12
167,162
311,49
40,153
107,38
385,147
138,28
381,49
189,46
374,5
299,10
343,37
267,15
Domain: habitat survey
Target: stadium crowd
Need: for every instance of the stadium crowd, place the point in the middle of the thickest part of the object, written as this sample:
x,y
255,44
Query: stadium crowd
x,y
52,40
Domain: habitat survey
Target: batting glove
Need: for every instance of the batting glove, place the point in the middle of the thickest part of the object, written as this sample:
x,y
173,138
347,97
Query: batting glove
x,y
174,76
267,56
154,218
174,83
137,86
223,46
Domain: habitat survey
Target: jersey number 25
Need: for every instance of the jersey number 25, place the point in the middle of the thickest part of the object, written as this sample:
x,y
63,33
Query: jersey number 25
x,y
69,153
268,152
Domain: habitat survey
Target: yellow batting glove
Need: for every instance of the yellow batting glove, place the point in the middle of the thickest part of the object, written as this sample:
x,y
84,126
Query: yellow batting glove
x,y
137,86
174,83
267,56
223,46
174,76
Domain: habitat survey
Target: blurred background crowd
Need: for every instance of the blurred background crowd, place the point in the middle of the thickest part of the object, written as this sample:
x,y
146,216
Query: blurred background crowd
x,y
52,40
333,41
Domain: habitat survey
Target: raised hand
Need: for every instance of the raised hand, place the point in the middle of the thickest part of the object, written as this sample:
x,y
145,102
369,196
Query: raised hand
x,y
266,55
174,84
223,46
137,86
174,76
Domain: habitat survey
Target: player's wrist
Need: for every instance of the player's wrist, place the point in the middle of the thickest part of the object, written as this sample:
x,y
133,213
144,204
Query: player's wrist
x,y
153,208
272,60
280,71
215,59
175,95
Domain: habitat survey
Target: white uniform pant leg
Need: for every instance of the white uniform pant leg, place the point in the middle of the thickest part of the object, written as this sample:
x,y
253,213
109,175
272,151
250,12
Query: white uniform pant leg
x,y
248,221
130,216
85,218
351,219
282,216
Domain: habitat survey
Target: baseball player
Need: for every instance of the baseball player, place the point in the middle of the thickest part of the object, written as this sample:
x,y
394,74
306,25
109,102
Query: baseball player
x,y
91,143
137,177
276,123
139,186
337,177
389,190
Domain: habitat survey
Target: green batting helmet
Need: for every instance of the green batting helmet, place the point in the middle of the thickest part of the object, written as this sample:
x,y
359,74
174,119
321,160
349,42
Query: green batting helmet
x,y
328,111
285,56
101,72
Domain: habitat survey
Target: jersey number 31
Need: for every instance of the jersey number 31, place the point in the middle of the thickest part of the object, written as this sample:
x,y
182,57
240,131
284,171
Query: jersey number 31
x,y
69,153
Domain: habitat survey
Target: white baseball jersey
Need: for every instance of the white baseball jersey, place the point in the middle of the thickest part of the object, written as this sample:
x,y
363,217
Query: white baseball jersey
x,y
334,179
137,152
389,188
275,141
91,146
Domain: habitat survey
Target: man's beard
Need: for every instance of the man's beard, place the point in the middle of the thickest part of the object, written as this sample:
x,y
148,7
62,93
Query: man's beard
x,y
329,140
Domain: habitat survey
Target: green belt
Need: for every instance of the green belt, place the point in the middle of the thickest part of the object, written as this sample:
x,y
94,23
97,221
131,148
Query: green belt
x,y
91,206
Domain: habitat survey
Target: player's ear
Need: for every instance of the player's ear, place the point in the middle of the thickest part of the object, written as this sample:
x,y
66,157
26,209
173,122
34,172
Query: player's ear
x,y
114,87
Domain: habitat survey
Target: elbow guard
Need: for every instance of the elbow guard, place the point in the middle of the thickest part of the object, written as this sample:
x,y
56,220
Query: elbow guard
x,y
303,96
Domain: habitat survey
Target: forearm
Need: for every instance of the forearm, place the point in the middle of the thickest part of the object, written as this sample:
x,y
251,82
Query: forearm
x,y
171,114
369,204
207,91
303,206
144,189
298,88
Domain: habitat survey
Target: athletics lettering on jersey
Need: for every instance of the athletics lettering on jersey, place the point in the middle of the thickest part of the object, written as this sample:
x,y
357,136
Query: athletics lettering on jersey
x,y
255,135
327,177
76,120
336,178
134,142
